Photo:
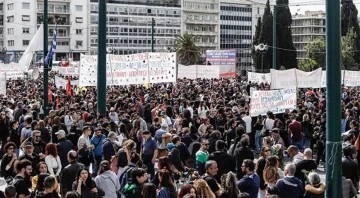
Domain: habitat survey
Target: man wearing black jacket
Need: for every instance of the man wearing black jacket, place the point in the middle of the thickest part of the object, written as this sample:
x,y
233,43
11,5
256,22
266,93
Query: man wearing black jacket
x,y
221,157
68,174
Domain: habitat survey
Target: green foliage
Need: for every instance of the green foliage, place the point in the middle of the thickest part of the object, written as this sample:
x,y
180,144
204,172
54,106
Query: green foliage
x,y
186,50
307,65
266,36
286,57
349,20
256,55
316,52
348,48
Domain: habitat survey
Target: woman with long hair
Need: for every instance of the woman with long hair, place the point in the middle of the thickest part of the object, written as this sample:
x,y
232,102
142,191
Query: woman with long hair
x,y
44,131
203,189
8,160
52,159
148,191
166,187
260,166
15,135
186,190
41,169
84,185
123,134
271,171
40,188
228,183
136,135
124,156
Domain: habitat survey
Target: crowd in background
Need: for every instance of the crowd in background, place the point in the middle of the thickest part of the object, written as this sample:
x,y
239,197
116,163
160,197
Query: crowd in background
x,y
193,139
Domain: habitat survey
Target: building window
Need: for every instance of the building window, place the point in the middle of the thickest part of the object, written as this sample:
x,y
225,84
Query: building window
x,y
11,42
10,6
25,17
10,31
78,31
10,19
79,8
78,19
25,5
26,42
79,43
26,30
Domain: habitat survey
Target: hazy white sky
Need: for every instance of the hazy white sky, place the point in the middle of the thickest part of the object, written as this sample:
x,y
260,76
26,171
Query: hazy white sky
x,y
305,5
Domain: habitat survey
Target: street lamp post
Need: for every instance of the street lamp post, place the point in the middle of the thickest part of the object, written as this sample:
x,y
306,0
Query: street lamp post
x,y
274,61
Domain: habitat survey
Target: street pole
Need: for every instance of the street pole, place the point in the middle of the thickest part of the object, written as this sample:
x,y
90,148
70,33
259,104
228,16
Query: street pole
x,y
101,65
46,67
274,39
333,110
262,61
152,34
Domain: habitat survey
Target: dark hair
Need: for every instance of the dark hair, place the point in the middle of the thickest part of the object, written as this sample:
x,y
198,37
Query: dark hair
x,y
137,172
175,139
49,182
12,123
149,190
185,190
40,182
88,181
134,158
272,190
249,164
220,145
166,180
71,155
22,164
72,194
104,166
51,149
41,163
7,145
243,195
10,191
164,163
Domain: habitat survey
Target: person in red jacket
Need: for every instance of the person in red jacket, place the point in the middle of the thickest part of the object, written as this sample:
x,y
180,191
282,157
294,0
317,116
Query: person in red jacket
x,y
295,131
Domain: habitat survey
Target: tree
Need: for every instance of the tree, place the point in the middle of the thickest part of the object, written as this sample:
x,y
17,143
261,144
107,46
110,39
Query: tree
x,y
186,50
266,35
307,65
256,55
348,48
315,51
349,21
287,52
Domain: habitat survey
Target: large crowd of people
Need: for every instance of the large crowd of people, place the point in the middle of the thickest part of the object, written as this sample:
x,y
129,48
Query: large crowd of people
x,y
189,139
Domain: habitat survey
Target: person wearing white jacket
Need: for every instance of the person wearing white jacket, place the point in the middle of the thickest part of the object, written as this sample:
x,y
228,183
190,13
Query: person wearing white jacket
x,y
52,159
107,180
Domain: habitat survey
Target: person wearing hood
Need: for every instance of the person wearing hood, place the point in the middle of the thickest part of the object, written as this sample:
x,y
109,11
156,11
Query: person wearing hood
x,y
107,180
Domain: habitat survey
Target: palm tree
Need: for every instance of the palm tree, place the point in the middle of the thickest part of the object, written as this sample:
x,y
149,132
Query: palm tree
x,y
187,52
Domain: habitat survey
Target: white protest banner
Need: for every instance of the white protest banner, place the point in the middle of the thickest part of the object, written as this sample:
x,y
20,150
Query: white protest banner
x,y
13,74
323,78
162,67
2,83
351,79
208,72
188,72
283,79
309,79
259,77
61,82
88,70
69,71
276,101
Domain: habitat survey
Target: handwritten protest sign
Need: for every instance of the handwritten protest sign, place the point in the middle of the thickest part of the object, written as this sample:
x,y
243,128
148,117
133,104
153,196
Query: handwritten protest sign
x,y
351,79
162,67
259,77
199,71
276,101
61,82
69,71
2,83
189,71
88,70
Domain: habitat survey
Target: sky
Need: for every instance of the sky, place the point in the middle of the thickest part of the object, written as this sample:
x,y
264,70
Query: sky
x,y
313,5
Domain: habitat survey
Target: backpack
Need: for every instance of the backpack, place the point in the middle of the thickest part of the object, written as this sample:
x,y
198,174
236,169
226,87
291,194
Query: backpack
x,y
125,178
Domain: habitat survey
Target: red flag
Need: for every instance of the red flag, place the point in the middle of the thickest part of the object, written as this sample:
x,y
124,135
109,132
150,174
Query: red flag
x,y
68,87
50,93
57,102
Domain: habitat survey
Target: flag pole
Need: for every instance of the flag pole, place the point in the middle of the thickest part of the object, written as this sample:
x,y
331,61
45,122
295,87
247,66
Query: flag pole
x,y
46,71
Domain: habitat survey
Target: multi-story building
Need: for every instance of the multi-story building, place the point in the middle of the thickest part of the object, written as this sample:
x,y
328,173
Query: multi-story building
x,y
202,18
306,28
22,19
236,30
129,25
